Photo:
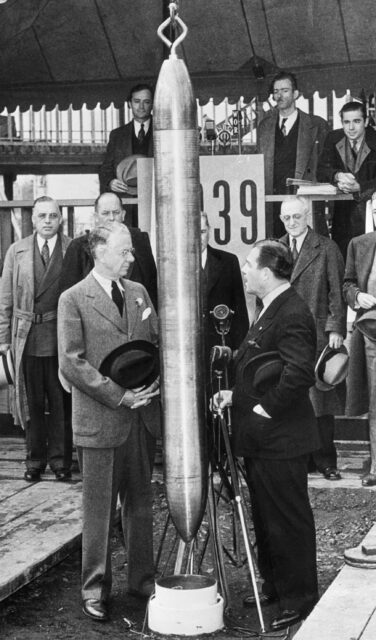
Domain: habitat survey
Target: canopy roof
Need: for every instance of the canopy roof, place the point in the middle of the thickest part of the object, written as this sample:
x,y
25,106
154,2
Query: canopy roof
x,y
89,51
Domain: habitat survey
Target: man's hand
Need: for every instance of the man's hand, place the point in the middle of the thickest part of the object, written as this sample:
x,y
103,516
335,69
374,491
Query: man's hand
x,y
335,340
141,396
118,185
365,300
347,182
4,347
220,400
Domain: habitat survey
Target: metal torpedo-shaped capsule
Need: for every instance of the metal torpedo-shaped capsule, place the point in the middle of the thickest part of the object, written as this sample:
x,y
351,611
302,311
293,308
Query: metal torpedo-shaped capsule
x,y
177,188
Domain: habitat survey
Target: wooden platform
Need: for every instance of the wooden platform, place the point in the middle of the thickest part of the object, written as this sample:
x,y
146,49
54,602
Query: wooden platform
x,y
40,523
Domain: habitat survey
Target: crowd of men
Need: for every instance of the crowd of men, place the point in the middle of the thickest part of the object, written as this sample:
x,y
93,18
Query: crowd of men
x,y
76,313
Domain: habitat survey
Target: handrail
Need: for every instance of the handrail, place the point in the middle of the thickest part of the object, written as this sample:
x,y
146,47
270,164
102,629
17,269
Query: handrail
x,y
75,202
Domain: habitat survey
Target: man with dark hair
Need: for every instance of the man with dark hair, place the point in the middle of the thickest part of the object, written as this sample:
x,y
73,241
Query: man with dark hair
x,y
28,320
317,277
134,138
348,160
291,142
274,428
78,260
115,421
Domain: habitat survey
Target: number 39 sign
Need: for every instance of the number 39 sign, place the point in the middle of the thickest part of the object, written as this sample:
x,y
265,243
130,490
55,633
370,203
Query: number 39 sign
x,y
232,194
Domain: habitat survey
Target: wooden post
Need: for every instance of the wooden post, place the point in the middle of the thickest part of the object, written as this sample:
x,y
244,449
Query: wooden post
x,y
26,223
70,211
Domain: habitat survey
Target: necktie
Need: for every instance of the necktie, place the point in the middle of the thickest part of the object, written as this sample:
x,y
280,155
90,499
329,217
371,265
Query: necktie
x,y
141,133
354,150
294,250
259,307
117,296
283,126
45,253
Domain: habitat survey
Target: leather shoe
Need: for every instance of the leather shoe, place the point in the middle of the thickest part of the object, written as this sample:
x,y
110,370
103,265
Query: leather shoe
x,y
146,590
331,473
32,475
285,619
250,601
62,476
95,609
369,480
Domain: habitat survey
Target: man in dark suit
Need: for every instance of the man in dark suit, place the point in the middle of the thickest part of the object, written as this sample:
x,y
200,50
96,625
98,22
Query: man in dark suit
x,y
114,427
274,428
291,142
223,284
317,277
360,293
136,137
28,319
78,261
348,160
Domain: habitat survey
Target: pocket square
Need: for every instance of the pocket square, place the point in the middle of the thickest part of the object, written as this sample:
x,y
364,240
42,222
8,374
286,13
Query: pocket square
x,y
146,313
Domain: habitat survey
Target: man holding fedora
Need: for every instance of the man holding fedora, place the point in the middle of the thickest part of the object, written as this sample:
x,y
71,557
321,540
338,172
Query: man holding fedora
x,y
317,276
107,332
134,138
274,428
78,261
360,293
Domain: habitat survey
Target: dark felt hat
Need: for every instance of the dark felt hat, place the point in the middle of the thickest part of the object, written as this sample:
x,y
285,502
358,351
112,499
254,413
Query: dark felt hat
x,y
6,369
133,364
261,372
127,172
367,323
331,367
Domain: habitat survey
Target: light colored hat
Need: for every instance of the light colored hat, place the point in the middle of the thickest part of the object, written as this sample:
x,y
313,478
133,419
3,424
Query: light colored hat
x,y
126,171
6,369
331,367
367,324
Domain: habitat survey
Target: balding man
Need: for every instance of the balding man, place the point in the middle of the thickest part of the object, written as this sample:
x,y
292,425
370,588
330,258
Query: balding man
x,y
317,276
114,426
28,317
78,261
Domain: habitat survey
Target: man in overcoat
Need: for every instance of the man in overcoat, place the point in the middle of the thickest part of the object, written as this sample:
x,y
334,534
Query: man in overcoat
x,y
274,429
114,427
28,320
348,160
291,142
318,276
78,261
360,293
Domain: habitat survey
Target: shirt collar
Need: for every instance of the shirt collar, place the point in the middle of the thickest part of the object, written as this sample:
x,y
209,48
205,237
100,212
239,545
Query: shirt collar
x,y
272,295
289,120
51,242
106,283
137,126
299,240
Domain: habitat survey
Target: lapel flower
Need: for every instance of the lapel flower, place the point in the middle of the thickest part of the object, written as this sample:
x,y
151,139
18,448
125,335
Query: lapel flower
x,y
139,302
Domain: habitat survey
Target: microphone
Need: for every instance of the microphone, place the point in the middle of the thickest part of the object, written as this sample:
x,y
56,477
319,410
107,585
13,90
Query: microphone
x,y
220,353
222,316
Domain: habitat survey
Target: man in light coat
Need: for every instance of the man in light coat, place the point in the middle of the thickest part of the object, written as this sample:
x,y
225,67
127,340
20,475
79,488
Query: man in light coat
x,y
114,428
28,319
291,142
317,276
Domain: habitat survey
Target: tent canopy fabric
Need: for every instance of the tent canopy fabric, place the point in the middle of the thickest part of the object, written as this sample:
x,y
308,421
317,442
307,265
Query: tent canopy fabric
x,y
89,51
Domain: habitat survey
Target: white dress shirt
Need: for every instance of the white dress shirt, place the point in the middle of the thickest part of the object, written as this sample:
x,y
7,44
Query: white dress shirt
x,y
290,121
106,283
51,243
137,126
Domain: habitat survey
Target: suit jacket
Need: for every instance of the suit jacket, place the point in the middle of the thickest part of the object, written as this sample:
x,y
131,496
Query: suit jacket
x,y
17,296
79,262
311,135
119,147
225,286
286,326
89,328
360,257
349,216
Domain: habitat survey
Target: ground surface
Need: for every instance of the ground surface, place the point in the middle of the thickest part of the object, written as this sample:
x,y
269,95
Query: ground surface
x,y
50,607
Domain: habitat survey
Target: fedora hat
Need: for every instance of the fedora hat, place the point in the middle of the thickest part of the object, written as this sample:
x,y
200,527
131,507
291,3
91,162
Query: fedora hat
x,y
133,364
261,372
331,367
367,324
6,369
126,171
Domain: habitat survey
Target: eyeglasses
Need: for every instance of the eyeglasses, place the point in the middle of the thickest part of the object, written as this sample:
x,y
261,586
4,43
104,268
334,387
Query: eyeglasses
x,y
127,252
50,216
294,216
116,212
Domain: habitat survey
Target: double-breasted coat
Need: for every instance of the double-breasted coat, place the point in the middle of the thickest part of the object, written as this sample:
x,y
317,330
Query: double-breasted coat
x,y
17,295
